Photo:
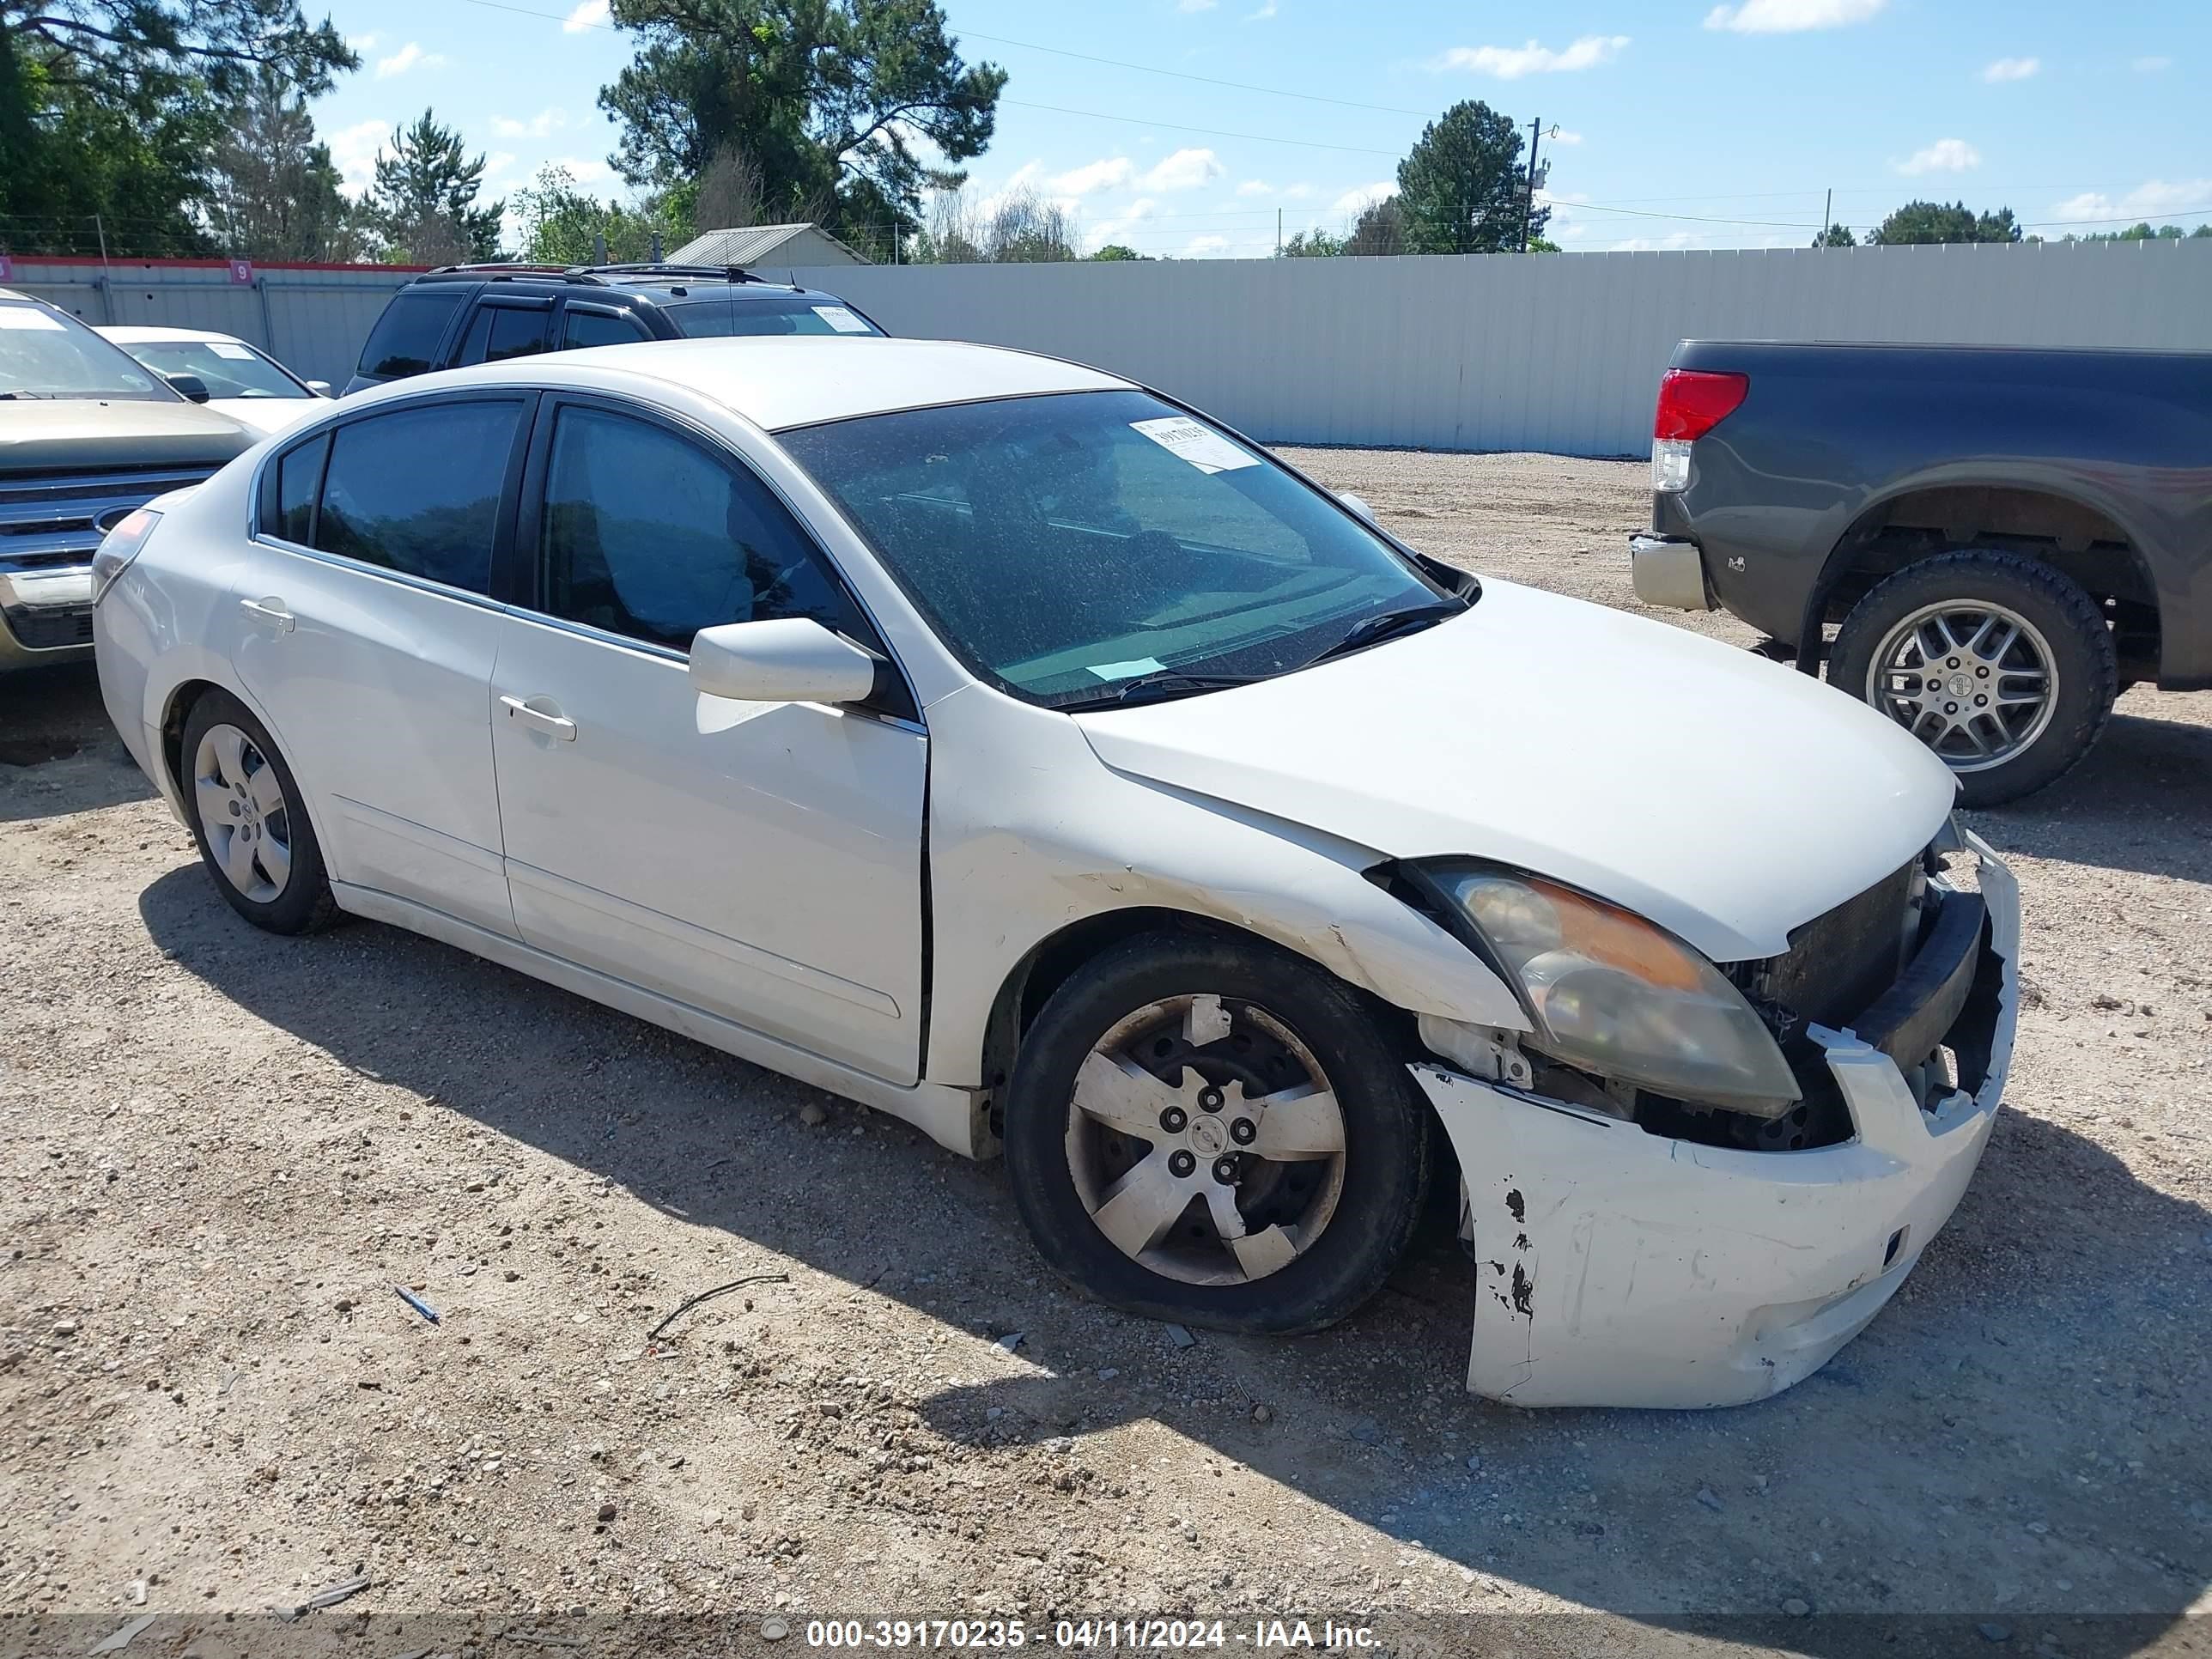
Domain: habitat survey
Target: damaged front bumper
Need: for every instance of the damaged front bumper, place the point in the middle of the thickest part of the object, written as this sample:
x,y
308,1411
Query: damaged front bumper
x,y
1618,1267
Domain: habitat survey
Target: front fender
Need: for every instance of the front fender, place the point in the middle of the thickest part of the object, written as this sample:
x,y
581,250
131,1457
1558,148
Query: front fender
x,y
1014,860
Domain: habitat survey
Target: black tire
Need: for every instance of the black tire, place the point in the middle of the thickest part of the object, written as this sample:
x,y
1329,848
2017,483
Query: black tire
x,y
305,903
2072,626
1385,1124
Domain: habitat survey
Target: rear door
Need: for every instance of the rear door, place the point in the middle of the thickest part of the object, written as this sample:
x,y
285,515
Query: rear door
x,y
503,327
366,634
589,323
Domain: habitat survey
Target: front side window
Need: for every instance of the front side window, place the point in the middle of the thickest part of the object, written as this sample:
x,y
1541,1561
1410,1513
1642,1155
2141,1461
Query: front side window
x,y
1062,545
44,353
501,331
417,490
228,368
646,534
718,316
599,328
405,338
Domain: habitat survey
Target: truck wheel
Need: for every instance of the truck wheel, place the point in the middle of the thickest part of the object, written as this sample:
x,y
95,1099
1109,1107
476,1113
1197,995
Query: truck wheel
x,y
2000,664
1215,1134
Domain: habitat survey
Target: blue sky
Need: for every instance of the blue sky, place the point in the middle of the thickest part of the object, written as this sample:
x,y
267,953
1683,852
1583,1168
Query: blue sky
x,y
1682,123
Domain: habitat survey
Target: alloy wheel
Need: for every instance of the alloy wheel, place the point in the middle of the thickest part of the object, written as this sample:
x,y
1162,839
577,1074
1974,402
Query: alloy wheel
x,y
1206,1141
243,813
1976,682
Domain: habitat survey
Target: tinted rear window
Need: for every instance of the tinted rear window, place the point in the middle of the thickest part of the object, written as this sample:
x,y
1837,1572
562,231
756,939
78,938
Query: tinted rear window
x,y
503,331
299,475
417,490
405,338
719,316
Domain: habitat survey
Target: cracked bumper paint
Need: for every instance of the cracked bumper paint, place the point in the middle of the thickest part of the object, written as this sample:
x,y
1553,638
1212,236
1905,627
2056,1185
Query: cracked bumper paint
x,y
1621,1269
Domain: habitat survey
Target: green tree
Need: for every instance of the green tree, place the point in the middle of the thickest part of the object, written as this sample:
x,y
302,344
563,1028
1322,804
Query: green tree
x,y
1316,244
825,98
423,204
1380,229
2143,232
1926,223
1114,251
274,191
115,108
1463,187
1835,236
562,224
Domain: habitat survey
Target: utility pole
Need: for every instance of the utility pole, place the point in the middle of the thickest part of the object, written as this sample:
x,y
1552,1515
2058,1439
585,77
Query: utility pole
x,y
1279,233
1827,213
1528,201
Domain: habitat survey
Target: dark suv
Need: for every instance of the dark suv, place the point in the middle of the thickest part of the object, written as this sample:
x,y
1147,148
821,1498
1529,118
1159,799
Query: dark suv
x,y
462,315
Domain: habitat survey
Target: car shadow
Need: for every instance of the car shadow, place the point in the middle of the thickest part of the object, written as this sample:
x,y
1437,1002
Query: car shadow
x,y
2020,1437
2147,778
58,752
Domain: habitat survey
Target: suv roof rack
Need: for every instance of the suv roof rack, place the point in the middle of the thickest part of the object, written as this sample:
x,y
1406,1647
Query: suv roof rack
x,y
649,268
497,269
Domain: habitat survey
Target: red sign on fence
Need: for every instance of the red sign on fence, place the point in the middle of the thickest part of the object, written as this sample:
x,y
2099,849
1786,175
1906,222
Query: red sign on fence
x,y
241,272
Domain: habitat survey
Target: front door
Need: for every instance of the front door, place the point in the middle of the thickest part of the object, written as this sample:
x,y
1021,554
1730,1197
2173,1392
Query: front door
x,y
761,862
362,629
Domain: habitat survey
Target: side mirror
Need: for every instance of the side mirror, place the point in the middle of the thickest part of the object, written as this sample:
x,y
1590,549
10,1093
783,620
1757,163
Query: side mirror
x,y
190,385
793,660
320,388
1358,505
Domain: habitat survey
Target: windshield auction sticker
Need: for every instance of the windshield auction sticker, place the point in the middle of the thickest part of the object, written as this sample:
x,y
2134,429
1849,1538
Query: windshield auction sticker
x,y
1203,447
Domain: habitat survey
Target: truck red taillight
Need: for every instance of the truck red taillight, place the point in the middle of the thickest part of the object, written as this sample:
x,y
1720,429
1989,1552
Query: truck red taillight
x,y
1691,403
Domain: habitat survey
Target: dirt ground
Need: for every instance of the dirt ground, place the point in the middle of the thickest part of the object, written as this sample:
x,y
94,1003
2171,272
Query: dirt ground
x,y
222,1151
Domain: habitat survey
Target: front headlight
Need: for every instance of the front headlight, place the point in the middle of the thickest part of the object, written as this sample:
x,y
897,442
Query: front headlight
x,y
1611,993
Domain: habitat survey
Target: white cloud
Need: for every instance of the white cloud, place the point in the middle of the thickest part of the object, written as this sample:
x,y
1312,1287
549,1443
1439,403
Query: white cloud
x,y
353,152
1791,16
1944,155
1255,187
1187,169
1267,10
1563,136
363,42
2013,69
590,15
2157,199
540,125
1359,200
588,171
1205,247
496,163
1195,5
409,56
1137,213
1512,63
2152,65
1112,173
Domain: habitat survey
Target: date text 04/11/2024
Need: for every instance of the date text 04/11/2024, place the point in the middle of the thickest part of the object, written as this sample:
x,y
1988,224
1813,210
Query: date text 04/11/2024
x,y
1108,1635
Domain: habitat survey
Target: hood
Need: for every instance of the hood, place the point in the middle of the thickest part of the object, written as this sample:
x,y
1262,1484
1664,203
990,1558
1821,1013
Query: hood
x,y
1725,798
76,435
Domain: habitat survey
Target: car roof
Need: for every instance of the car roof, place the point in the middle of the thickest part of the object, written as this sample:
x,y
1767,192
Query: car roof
x,y
146,334
779,382
657,280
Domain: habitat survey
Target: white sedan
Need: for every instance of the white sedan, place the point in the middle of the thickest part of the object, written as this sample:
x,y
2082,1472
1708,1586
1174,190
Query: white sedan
x,y
240,380
1003,746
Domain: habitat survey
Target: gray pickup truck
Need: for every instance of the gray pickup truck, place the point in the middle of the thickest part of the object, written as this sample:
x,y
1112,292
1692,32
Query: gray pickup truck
x,y
87,434
1987,544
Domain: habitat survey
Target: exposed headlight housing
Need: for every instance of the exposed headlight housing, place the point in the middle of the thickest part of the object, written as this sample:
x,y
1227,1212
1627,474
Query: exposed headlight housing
x,y
119,547
1610,993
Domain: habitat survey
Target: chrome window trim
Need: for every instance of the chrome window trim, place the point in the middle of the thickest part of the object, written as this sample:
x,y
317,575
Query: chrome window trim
x,y
401,578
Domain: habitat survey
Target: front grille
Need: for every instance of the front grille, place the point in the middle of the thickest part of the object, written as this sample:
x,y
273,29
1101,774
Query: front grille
x,y
49,628
1839,962
52,521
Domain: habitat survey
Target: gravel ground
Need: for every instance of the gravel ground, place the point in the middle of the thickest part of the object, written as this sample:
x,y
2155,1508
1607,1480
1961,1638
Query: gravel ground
x,y
222,1151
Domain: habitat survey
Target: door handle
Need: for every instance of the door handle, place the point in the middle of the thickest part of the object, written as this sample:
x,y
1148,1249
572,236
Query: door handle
x,y
549,719
270,610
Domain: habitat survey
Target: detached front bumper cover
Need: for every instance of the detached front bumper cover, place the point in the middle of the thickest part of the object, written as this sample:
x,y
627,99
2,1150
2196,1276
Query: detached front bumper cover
x,y
1617,1267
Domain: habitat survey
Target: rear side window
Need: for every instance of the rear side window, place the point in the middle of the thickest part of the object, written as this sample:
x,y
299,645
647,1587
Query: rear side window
x,y
719,316
405,338
417,491
599,328
501,331
299,475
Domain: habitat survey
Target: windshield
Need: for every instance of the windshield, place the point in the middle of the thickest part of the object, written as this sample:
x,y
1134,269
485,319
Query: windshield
x,y
228,368
1062,545
44,356
720,315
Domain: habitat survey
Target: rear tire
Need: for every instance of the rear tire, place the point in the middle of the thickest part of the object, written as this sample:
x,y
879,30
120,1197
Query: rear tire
x,y
1218,1134
250,820
1954,648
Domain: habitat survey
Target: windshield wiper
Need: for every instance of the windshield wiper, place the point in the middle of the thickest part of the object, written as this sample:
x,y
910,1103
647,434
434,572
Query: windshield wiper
x,y
1156,686
25,391
1373,630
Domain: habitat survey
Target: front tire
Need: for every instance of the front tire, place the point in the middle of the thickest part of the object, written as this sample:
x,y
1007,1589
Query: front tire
x,y
250,819
2000,664
1215,1133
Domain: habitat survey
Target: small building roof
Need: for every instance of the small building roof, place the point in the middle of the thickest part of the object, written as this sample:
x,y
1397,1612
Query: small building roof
x,y
752,245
